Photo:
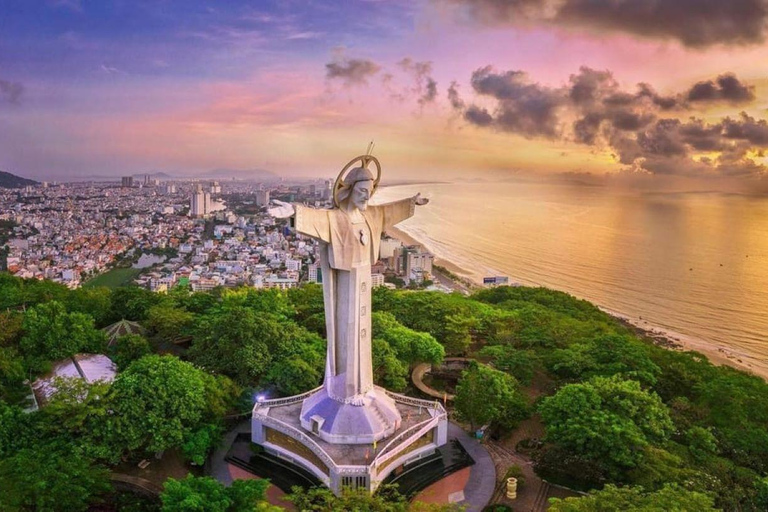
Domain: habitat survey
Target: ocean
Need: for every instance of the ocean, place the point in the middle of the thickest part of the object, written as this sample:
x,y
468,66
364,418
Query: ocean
x,y
694,264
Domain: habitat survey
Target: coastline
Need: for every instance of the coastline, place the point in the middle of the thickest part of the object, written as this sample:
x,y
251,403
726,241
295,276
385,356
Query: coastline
x,y
666,338
716,354
407,239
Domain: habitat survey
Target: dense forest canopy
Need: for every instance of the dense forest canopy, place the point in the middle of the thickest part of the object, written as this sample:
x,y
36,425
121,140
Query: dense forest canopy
x,y
625,419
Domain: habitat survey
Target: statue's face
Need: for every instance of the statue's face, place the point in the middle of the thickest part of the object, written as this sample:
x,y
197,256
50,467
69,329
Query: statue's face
x,y
361,193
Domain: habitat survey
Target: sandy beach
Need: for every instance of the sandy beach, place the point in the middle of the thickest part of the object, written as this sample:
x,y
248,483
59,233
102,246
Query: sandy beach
x,y
717,354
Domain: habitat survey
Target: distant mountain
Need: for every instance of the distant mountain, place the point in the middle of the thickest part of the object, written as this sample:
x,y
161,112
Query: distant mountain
x,y
238,174
8,180
154,175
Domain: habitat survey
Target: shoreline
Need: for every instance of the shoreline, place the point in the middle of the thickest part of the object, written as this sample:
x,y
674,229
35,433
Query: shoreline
x,y
716,354
666,338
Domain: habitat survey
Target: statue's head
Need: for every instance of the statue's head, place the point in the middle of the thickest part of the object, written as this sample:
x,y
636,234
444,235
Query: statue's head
x,y
357,188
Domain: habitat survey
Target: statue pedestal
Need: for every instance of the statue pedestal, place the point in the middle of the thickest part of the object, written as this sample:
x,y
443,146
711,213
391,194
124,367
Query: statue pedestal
x,y
363,420
372,447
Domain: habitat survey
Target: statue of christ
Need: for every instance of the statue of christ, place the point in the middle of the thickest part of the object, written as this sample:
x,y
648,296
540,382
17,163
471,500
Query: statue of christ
x,y
349,408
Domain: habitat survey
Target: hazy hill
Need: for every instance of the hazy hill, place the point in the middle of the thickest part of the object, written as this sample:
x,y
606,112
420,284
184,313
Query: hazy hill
x,y
8,180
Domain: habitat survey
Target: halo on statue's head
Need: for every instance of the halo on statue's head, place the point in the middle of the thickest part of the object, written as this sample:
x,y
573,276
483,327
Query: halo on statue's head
x,y
364,160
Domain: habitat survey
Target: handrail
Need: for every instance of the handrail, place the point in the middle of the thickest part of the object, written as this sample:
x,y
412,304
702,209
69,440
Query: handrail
x,y
409,400
292,431
422,427
287,400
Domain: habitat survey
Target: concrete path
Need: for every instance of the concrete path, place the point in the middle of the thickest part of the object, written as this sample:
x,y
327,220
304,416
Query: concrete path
x,y
482,477
218,468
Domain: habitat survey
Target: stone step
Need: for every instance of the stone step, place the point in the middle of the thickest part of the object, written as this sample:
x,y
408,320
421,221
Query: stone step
x,y
382,420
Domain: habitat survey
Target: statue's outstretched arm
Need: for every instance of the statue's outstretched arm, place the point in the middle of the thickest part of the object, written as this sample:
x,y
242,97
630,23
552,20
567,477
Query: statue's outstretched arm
x,y
397,211
312,222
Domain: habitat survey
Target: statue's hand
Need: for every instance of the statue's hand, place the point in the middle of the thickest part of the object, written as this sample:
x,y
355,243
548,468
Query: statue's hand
x,y
282,210
421,201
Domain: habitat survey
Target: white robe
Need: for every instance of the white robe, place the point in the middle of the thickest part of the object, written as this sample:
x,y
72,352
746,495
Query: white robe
x,y
348,249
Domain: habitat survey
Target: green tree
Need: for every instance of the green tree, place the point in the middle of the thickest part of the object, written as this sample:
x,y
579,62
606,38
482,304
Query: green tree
x,y
15,292
235,341
386,499
95,301
293,376
221,396
81,412
521,364
635,499
198,443
195,494
127,349
50,333
248,495
457,334
205,494
272,301
411,346
50,478
10,327
132,303
606,355
11,370
606,419
17,429
485,395
388,370
159,401
168,322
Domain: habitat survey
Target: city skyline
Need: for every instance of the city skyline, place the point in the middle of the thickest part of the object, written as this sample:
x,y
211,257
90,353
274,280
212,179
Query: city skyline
x,y
447,89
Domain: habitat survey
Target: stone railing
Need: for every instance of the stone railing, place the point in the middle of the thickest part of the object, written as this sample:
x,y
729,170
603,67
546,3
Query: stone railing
x,y
418,402
275,402
396,445
297,434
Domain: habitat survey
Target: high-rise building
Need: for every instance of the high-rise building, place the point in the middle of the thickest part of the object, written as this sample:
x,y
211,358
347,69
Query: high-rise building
x,y
215,187
200,202
414,262
127,181
389,250
170,188
262,197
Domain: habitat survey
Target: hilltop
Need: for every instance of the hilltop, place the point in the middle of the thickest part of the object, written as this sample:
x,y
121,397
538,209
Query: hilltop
x,y
8,180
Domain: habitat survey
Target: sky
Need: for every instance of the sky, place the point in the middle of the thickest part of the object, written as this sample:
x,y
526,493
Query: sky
x,y
447,89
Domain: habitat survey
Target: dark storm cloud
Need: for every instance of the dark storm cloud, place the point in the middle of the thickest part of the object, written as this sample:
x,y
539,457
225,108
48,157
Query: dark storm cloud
x,y
430,92
426,86
478,116
592,99
453,97
11,91
663,102
669,146
590,85
746,128
701,136
352,71
525,108
592,109
725,87
695,23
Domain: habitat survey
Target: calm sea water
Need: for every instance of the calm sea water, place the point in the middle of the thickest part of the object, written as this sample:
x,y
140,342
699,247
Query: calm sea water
x,y
693,263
